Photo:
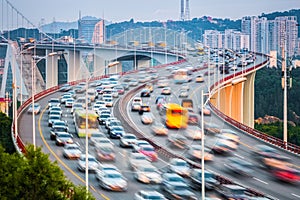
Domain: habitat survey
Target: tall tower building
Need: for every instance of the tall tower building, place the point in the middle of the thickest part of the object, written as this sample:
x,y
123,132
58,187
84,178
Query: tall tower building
x,y
187,9
99,33
86,27
182,10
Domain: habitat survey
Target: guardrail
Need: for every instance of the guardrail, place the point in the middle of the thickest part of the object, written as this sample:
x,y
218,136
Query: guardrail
x,y
260,135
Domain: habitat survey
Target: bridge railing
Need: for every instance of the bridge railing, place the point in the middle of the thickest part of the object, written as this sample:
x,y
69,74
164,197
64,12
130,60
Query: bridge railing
x,y
260,135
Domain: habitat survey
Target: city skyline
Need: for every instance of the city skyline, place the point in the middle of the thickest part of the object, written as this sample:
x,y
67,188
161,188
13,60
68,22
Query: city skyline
x,y
150,10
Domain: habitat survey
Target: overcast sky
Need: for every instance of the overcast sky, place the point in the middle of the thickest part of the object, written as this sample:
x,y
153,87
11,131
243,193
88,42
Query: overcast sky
x,y
144,10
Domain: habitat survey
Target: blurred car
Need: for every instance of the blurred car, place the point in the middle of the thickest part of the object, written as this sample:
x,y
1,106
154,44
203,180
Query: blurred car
x,y
103,117
183,93
147,174
223,146
104,141
185,87
62,138
138,144
149,151
115,93
108,102
105,153
171,178
230,135
147,118
116,132
95,137
145,93
149,86
55,108
210,179
113,180
264,151
69,103
231,191
75,107
206,111
179,166
193,132
53,102
211,128
60,124
93,164
199,78
166,91
193,118
128,140
133,83
36,109
71,151
178,141
120,89
136,159
178,190
148,195
136,106
239,166
52,118
57,129
195,153
65,88
287,174
55,112
162,83
65,97
144,108
158,128
105,167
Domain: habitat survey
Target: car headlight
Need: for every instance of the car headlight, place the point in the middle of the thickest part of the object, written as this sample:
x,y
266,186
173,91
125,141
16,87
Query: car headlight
x,y
58,140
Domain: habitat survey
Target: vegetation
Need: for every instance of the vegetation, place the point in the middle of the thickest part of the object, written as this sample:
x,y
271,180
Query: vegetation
x,y
276,130
5,133
33,176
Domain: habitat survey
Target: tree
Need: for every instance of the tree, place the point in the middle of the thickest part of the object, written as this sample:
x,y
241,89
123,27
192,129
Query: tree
x,y
34,176
5,133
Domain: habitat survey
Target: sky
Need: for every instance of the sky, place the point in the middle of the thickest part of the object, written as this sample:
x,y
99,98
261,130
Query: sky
x,y
143,10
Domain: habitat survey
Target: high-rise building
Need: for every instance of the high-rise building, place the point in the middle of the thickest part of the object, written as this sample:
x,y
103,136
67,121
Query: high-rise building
x,y
86,27
99,36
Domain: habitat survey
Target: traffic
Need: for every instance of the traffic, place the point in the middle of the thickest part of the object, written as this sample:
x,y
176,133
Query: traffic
x,y
120,161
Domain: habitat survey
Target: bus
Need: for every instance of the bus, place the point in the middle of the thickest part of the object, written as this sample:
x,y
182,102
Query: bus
x,y
181,76
80,121
176,116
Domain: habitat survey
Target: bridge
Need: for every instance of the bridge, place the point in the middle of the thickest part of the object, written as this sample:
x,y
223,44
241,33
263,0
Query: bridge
x,y
79,62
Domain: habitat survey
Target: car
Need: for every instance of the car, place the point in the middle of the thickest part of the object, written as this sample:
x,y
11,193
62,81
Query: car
x,y
147,118
95,137
105,153
166,91
55,112
101,142
178,190
108,102
211,128
193,132
133,83
158,128
115,93
149,86
144,108
93,164
128,140
53,102
240,166
177,140
57,129
199,78
116,131
36,109
210,179
286,174
171,178
71,151
120,89
147,174
206,111
75,107
52,118
69,102
230,136
135,159
111,123
65,88
62,138
261,151
162,83
149,151
103,110
138,144
60,123
65,97
103,117
55,108
145,93
195,153
193,118
113,180
135,106
224,146
179,166
231,191
148,195
183,93
185,87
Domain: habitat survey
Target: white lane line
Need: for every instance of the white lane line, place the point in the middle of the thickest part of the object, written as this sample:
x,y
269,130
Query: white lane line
x,y
298,196
165,162
260,180
237,155
121,154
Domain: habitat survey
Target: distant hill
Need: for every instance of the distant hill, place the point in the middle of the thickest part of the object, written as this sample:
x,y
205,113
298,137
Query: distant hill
x,y
57,27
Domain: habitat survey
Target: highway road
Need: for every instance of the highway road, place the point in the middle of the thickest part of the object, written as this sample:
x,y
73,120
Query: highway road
x,y
261,181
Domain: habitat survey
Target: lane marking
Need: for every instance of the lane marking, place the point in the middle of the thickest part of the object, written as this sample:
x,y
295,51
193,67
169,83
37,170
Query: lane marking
x,y
260,180
298,196
58,158
237,155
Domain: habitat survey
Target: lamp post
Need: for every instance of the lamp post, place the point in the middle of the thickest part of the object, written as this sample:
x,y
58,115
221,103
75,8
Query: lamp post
x,y
202,144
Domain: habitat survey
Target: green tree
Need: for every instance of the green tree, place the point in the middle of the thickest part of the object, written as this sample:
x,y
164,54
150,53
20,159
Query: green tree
x,y
5,133
34,176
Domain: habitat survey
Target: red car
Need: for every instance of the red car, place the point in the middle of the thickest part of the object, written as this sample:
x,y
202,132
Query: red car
x,y
148,151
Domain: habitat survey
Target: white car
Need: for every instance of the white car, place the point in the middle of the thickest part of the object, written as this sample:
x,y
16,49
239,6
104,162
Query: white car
x,y
147,118
95,137
108,102
128,140
135,106
179,166
53,102
69,102
113,180
104,141
147,194
147,174
93,164
105,167
136,159
35,110
71,151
